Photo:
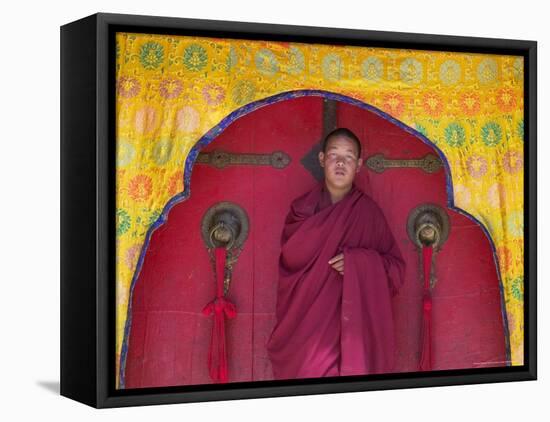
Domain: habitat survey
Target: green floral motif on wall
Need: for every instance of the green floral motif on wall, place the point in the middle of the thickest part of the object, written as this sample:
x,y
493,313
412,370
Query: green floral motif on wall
x,y
491,134
455,135
151,55
517,288
195,57
123,222
243,92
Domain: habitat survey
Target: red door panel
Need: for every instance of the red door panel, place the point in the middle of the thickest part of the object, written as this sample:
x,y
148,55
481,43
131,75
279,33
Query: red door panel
x,y
467,322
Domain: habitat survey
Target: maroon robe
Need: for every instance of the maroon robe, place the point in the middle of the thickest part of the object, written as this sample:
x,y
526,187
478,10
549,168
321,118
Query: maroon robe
x,y
330,324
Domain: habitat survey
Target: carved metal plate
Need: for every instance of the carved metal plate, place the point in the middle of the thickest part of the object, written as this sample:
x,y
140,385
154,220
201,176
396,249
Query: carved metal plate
x,y
221,159
379,163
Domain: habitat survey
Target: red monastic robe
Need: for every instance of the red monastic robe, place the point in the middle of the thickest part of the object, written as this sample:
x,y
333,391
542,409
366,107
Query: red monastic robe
x,y
330,324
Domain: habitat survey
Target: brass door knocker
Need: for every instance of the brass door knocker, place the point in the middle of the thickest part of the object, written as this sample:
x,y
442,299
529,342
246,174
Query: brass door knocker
x,y
225,224
428,225
428,228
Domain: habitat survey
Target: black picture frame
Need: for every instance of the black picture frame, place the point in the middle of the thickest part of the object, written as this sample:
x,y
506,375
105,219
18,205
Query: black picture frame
x,y
88,209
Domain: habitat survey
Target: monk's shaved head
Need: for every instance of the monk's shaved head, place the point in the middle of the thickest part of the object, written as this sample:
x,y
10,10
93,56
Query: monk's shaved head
x,y
342,132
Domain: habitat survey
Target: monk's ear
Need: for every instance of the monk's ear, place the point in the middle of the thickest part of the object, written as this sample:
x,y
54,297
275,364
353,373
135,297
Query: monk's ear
x,y
322,158
359,164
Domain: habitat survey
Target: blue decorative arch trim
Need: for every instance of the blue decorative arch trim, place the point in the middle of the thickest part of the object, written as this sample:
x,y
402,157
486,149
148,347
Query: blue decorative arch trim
x,y
248,108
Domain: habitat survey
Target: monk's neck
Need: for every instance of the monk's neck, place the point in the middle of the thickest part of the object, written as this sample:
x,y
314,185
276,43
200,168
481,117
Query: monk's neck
x,y
336,195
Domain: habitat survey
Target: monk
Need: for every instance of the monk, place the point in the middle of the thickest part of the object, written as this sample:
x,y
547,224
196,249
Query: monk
x,y
338,269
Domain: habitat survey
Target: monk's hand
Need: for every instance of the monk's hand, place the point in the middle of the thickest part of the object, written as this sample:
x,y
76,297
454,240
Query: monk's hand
x,y
337,263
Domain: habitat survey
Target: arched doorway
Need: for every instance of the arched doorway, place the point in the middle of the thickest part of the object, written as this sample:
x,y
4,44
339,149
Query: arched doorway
x,y
168,336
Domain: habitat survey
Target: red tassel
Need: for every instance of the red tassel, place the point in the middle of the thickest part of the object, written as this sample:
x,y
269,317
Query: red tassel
x,y
221,308
426,333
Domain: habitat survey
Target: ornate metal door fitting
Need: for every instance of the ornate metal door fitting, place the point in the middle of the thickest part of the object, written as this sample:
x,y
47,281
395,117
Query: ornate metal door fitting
x,y
226,225
428,225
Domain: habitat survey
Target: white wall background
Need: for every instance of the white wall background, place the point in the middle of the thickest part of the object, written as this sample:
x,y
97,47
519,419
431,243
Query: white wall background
x,y
29,243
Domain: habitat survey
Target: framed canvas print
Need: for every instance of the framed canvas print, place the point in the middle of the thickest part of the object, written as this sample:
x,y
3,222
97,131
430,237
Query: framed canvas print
x,y
253,210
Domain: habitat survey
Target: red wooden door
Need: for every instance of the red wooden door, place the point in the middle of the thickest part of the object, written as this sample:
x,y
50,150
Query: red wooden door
x,y
169,336
468,329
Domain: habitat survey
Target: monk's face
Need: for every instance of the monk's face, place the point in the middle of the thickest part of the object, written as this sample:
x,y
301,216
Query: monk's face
x,y
340,162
